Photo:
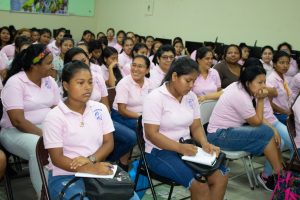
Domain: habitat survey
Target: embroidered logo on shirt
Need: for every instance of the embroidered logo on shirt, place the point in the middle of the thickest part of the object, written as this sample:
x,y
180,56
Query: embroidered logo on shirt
x,y
190,103
47,84
97,113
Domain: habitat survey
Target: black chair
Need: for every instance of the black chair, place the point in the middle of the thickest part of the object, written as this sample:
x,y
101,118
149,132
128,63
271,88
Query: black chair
x,y
111,96
42,159
294,163
143,168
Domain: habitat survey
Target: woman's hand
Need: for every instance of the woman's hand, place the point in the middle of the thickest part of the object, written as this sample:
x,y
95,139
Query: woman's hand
x,y
103,168
201,98
210,148
277,138
188,149
261,93
79,161
113,65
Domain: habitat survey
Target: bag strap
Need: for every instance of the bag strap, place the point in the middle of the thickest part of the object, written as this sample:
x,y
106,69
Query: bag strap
x,y
62,192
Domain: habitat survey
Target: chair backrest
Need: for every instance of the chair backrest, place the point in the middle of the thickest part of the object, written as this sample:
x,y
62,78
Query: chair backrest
x,y
42,159
206,108
140,134
111,96
291,126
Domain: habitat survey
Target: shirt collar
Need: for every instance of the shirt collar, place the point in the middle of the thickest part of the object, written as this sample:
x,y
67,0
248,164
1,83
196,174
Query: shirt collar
x,y
65,109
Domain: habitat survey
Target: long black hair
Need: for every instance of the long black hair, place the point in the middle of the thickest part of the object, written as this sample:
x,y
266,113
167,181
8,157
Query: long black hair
x,y
25,59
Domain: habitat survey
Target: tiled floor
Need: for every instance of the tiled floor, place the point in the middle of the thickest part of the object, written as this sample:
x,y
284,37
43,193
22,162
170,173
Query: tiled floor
x,y
238,188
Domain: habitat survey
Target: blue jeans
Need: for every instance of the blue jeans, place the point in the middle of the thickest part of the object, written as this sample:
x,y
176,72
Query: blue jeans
x,y
56,184
129,122
124,140
281,117
285,142
244,138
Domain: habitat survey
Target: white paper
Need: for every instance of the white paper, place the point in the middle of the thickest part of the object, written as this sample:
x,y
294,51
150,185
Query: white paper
x,y
202,158
80,174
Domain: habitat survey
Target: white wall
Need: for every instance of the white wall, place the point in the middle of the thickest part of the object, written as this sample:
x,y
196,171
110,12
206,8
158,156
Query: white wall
x,y
233,21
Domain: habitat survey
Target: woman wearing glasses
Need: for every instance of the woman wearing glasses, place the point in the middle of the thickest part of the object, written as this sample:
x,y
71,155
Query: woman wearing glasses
x,y
281,103
165,55
130,94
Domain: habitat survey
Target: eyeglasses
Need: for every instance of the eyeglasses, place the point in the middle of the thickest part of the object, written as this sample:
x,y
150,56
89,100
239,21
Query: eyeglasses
x,y
138,65
171,58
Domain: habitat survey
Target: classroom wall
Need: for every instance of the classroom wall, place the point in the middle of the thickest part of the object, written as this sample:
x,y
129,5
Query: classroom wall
x,y
232,21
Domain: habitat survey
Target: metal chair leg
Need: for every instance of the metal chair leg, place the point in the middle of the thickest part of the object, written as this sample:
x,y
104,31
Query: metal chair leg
x,y
248,173
170,192
253,171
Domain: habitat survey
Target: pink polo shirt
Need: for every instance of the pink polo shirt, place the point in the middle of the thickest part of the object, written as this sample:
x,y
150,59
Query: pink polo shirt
x,y
296,109
282,100
232,109
3,61
76,134
173,117
209,85
95,68
118,47
123,59
268,67
9,51
21,93
99,87
130,93
156,76
53,48
293,70
295,86
104,72
268,112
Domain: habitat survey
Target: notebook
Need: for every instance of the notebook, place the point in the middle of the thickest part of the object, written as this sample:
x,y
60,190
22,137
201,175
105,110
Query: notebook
x,y
88,175
202,158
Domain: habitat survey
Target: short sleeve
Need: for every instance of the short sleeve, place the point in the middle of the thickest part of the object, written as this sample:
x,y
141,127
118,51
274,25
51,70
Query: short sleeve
x,y
196,107
152,109
122,92
101,85
15,101
108,126
244,107
56,92
217,79
53,130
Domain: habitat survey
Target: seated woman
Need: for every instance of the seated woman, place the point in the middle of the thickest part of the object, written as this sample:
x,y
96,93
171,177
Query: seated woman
x,y
245,52
227,127
229,69
131,92
77,133
164,57
138,49
208,84
169,113
99,92
120,37
126,55
295,86
28,95
293,66
110,70
282,101
296,109
266,59
58,61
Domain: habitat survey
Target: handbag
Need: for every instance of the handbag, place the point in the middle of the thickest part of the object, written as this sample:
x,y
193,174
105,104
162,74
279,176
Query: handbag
x,y
120,187
203,170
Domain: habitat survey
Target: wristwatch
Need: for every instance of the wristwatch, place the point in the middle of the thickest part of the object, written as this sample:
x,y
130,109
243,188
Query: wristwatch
x,y
92,158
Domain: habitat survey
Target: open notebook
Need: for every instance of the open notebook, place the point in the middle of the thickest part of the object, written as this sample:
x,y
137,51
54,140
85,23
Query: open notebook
x,y
88,175
202,158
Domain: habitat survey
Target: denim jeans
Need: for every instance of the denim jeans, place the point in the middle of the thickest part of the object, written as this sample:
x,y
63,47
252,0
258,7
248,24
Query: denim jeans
x,y
281,117
244,138
56,184
124,140
285,142
129,122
